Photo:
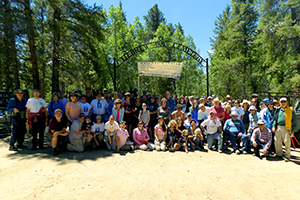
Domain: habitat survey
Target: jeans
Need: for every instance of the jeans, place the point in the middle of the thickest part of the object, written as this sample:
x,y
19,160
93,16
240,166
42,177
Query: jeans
x,y
232,139
111,147
197,142
211,137
259,146
18,130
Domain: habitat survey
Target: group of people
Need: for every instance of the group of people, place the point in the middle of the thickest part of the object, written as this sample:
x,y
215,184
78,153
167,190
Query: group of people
x,y
129,121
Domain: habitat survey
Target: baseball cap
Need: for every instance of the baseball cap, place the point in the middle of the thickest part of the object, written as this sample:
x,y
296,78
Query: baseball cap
x,y
261,121
234,113
57,110
98,117
81,115
61,91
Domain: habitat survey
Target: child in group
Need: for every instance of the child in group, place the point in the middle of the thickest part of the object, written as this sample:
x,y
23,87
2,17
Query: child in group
x,y
160,134
87,125
123,142
172,133
98,130
144,115
196,139
182,142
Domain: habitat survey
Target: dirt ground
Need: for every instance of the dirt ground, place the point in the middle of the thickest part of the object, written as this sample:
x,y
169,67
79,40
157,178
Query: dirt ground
x,y
100,174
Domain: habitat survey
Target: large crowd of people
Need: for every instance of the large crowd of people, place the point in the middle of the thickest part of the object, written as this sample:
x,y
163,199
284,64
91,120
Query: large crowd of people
x,y
126,121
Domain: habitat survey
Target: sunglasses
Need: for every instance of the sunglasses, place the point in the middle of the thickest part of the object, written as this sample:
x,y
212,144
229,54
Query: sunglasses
x,y
81,117
119,103
282,101
260,124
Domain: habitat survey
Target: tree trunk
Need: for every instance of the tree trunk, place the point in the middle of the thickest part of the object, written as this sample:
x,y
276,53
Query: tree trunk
x,y
10,35
32,47
55,58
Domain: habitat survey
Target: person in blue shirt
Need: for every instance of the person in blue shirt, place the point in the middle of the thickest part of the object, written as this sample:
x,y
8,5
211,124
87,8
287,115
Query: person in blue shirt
x,y
268,117
170,101
53,105
234,128
16,106
111,103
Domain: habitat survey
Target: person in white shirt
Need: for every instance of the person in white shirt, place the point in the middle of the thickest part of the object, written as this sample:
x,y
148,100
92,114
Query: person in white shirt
x,y
85,106
202,113
98,131
110,134
238,109
36,117
213,130
99,106
187,122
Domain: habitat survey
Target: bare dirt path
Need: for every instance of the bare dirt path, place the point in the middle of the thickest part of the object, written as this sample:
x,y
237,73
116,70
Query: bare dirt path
x,y
99,174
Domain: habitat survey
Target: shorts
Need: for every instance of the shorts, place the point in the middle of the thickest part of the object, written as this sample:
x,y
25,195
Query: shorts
x,y
152,123
86,134
172,137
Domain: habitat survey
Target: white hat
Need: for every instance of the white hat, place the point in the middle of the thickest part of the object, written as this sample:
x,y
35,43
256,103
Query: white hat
x,y
252,108
261,121
234,113
283,99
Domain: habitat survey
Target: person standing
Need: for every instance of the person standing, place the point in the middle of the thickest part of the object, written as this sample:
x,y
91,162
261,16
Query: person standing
x,y
62,98
53,105
16,105
36,117
73,108
99,106
284,125
85,106
170,102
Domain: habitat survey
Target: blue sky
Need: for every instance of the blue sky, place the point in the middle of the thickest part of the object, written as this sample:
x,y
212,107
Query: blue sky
x,y
195,16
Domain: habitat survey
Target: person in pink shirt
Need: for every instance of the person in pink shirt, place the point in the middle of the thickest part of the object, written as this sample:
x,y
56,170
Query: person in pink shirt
x,y
73,108
160,134
123,142
218,110
141,137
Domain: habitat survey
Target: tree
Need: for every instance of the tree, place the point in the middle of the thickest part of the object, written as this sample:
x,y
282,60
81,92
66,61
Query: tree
x,y
152,20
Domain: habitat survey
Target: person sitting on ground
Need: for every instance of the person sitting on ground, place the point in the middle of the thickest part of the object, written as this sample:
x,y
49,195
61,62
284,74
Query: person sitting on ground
x,y
234,128
182,141
178,113
202,113
219,111
172,133
160,134
98,130
141,137
85,106
195,140
111,127
87,125
144,115
123,142
261,139
187,122
213,131
238,109
57,131
118,110
75,135
253,119
194,110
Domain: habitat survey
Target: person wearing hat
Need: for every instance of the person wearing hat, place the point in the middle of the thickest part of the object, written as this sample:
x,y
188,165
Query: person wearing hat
x,y
210,101
178,113
17,106
245,105
75,134
268,117
213,131
57,131
105,94
112,103
284,125
254,116
152,106
98,131
234,128
99,107
53,105
217,108
36,117
261,139
265,100
275,103
73,108
62,98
